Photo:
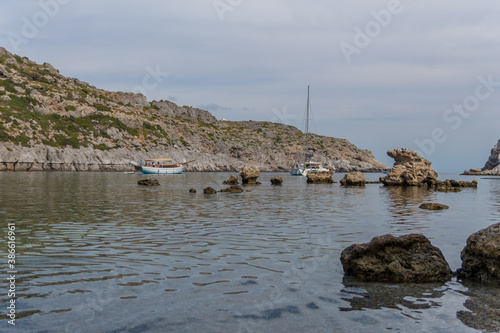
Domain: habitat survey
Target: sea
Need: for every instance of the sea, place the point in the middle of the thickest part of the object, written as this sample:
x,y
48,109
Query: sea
x,y
96,252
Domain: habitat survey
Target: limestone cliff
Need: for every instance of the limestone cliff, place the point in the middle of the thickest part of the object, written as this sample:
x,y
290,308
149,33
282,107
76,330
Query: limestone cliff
x,y
492,166
52,122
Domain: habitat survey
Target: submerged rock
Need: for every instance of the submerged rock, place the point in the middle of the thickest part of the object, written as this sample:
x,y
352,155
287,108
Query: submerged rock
x,y
276,180
148,182
209,190
409,258
433,206
409,169
232,189
320,178
249,175
481,256
353,179
233,180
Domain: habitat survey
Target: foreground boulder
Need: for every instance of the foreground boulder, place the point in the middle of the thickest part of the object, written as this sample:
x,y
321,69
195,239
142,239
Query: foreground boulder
x,y
249,175
353,179
409,169
232,189
481,256
320,178
148,182
409,258
233,180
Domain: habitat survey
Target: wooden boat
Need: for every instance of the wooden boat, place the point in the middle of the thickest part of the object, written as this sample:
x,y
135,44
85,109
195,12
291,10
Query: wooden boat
x,y
161,166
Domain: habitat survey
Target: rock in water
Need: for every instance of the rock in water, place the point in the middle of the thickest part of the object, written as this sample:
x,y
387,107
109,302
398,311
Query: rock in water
x,y
249,175
409,169
433,206
233,180
409,258
353,179
209,190
233,189
276,180
320,178
193,190
148,182
481,256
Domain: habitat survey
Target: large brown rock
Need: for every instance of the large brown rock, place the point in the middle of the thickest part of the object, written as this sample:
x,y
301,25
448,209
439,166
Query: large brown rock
x,y
481,256
320,178
249,175
353,179
148,182
409,258
409,169
233,180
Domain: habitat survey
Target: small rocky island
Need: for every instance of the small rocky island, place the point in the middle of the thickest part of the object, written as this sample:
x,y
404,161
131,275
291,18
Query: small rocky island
x,y
410,169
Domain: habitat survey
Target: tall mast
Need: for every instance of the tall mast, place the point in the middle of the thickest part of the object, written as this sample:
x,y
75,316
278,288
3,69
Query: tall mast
x,y
307,125
170,133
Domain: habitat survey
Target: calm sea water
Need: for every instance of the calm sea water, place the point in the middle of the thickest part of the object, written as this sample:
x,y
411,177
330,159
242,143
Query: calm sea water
x,y
95,252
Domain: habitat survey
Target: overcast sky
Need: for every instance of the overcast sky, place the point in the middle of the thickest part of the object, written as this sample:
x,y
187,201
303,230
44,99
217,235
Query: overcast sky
x,y
423,75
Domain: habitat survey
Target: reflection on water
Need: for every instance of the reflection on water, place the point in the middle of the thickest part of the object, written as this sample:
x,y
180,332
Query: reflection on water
x,y
98,253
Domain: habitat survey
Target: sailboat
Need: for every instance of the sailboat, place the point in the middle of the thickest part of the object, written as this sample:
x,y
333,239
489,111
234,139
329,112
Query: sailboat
x,y
162,166
309,166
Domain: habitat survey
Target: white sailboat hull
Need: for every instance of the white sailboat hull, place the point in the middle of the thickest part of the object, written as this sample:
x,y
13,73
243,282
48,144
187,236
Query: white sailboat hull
x,y
162,171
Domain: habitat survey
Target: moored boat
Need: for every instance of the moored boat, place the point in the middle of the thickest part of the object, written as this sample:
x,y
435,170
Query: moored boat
x,y
309,166
161,166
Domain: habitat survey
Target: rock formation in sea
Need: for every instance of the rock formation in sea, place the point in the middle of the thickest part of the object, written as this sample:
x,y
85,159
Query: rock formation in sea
x,y
320,178
148,182
409,169
276,180
52,122
481,256
232,189
353,179
249,175
409,258
433,206
492,166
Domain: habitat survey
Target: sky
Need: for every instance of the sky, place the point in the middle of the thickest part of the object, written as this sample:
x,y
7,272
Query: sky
x,y
422,75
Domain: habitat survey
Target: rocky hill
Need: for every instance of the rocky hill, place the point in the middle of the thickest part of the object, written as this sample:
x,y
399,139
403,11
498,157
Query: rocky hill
x,y
52,122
